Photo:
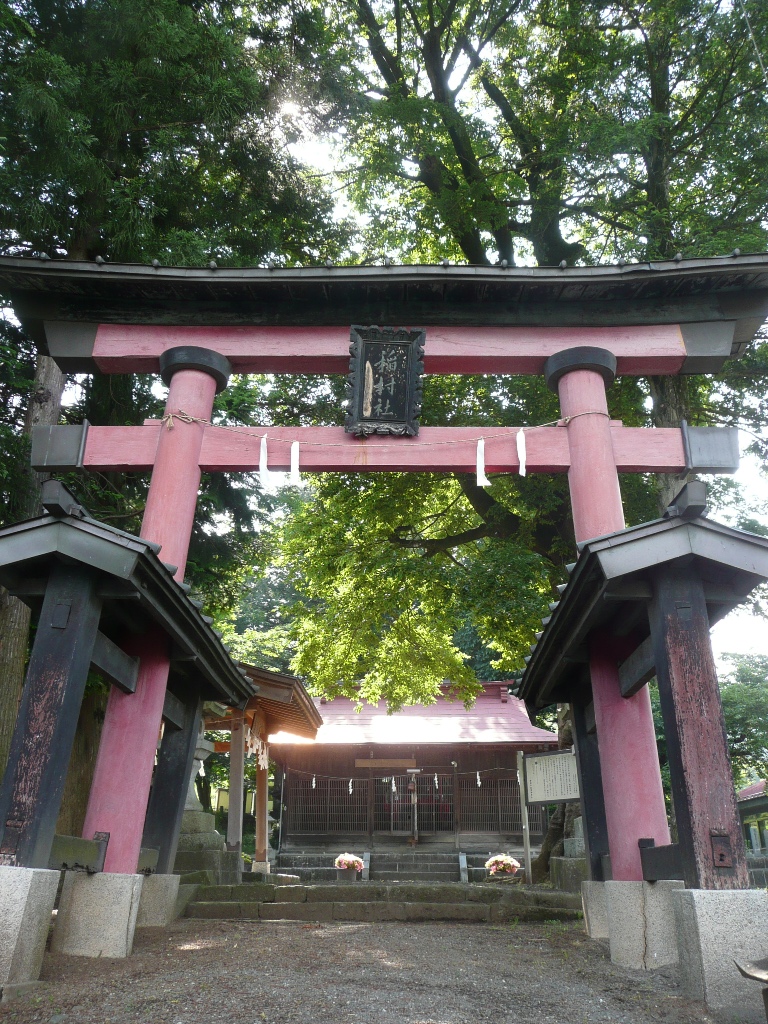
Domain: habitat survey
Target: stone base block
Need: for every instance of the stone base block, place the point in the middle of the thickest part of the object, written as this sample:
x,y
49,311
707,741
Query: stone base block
x,y
594,907
23,990
97,914
198,821
567,873
27,896
641,923
262,866
714,928
192,842
157,905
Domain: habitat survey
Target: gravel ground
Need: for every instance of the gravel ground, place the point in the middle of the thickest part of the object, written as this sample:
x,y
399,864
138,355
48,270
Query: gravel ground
x,y
211,972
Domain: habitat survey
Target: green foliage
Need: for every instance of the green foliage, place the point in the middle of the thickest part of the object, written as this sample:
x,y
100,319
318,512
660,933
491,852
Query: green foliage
x,y
558,129
744,690
137,130
744,694
140,130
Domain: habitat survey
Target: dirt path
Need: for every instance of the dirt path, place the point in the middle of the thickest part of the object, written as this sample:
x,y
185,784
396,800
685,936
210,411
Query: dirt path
x,y
209,972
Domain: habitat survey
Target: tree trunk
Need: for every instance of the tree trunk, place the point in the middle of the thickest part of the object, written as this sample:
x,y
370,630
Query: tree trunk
x,y
14,631
43,409
670,405
81,764
554,836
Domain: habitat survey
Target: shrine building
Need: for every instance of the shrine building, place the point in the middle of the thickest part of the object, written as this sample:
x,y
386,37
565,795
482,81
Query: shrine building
x,y
352,781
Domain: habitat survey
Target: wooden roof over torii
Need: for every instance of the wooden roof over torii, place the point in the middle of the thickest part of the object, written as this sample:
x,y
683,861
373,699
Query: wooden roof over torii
x,y
691,314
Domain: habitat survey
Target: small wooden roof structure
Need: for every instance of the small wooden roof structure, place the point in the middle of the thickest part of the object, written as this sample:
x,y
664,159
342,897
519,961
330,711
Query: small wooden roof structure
x,y
751,792
610,587
283,702
137,589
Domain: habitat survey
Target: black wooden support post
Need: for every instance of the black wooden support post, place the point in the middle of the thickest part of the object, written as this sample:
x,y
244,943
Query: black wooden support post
x,y
171,782
711,844
31,791
591,789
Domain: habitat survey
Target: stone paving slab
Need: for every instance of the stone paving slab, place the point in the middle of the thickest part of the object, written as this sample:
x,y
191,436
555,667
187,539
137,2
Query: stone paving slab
x,y
296,912
385,910
511,912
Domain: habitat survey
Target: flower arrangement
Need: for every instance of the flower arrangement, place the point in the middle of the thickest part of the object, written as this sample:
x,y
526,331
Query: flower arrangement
x,y
502,864
348,860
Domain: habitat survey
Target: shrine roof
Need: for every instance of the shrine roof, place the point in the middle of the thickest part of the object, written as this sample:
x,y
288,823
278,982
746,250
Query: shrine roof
x,y
491,719
283,701
731,288
750,792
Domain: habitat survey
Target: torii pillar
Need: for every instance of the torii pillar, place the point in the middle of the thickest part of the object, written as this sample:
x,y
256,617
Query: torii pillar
x,y
132,721
626,737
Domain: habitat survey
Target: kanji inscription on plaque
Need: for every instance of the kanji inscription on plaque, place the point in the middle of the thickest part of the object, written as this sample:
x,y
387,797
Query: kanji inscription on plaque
x,y
551,778
384,384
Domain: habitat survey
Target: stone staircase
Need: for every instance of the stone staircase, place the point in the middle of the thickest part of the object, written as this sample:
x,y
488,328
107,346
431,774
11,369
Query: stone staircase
x,y
387,865
380,901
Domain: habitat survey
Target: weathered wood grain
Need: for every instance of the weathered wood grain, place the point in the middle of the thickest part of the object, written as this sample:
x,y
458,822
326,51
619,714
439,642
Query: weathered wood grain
x,y
710,838
30,795
136,348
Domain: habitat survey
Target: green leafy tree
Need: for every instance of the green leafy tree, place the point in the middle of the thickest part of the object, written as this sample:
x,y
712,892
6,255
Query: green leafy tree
x,y
744,691
744,694
136,131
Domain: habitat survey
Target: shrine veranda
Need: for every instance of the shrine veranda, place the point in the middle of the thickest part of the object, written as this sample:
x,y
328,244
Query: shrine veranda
x,y
639,602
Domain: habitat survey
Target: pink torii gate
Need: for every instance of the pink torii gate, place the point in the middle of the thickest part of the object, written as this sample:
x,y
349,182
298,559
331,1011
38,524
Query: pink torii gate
x,y
589,446
200,323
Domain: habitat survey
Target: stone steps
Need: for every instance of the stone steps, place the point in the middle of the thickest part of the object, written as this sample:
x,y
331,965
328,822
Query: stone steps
x,y
376,901
388,865
407,874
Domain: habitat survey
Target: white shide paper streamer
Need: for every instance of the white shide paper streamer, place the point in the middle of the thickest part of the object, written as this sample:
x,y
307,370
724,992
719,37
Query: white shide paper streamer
x,y
521,453
295,478
482,479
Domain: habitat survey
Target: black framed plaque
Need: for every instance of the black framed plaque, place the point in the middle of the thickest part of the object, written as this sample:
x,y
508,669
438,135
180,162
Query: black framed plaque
x,y
384,383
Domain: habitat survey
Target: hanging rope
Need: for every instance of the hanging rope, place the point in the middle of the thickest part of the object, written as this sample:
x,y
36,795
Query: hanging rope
x,y
184,417
391,778
754,41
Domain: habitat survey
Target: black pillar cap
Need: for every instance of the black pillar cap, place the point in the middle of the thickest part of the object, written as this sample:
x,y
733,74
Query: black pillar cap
x,y
582,357
189,357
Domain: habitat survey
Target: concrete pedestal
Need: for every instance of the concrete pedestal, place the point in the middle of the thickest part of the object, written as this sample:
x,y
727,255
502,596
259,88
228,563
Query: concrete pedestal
x,y
27,896
261,866
714,928
641,923
595,912
157,905
97,914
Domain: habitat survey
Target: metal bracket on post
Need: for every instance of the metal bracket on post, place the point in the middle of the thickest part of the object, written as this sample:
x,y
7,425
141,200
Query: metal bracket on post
x,y
59,448
710,449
